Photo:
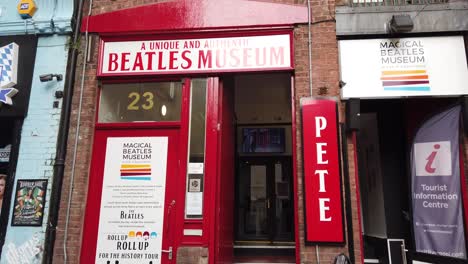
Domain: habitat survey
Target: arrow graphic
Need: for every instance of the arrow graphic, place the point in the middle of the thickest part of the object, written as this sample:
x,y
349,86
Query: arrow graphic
x,y
6,94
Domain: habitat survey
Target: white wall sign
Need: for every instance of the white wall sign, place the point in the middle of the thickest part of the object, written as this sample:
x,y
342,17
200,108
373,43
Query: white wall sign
x,y
132,201
385,68
5,153
195,167
195,55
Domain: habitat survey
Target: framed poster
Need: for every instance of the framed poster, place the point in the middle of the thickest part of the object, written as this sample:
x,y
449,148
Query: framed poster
x,y
29,203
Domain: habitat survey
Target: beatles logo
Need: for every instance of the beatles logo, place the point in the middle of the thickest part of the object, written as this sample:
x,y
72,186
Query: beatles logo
x,y
8,72
433,158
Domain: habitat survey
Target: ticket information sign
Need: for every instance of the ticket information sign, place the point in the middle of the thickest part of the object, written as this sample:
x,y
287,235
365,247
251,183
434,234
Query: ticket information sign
x,y
132,201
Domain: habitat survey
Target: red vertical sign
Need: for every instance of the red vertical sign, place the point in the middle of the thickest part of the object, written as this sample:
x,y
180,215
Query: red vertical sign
x,y
322,179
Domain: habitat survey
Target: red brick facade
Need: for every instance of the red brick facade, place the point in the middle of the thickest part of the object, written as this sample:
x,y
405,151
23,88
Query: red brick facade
x,y
325,75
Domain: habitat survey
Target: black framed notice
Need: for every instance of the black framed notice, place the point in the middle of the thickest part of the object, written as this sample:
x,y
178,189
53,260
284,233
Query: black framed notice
x,y
29,203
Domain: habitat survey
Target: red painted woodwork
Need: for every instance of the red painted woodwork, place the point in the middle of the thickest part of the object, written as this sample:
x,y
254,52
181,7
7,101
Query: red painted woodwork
x,y
183,159
211,160
225,187
89,244
194,14
322,173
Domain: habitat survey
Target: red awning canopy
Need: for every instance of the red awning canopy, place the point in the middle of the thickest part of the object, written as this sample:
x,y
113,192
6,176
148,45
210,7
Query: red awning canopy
x,y
189,15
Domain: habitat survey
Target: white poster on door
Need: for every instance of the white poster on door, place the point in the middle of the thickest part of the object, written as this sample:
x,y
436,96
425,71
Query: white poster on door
x,y
132,201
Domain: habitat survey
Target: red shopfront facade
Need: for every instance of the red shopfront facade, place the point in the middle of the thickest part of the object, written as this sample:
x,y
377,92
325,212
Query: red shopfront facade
x,y
172,145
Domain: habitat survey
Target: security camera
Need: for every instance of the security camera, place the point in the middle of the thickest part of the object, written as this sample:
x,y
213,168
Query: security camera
x,y
341,84
50,76
45,77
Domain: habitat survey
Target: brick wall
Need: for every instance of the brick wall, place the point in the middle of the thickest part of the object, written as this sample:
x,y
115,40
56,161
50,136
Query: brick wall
x,y
325,79
83,157
325,82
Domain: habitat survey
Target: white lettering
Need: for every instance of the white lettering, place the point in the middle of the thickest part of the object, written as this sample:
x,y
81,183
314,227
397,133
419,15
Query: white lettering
x,y
320,124
320,152
321,174
323,209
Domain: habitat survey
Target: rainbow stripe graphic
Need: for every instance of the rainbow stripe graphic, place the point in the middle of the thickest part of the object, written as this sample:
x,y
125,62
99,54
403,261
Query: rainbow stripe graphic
x,y
139,172
406,80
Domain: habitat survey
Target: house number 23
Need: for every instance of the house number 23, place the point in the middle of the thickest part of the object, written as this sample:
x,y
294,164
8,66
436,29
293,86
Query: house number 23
x,y
144,101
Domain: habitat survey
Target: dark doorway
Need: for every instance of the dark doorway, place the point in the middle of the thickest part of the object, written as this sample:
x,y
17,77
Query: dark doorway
x,y
264,200
383,145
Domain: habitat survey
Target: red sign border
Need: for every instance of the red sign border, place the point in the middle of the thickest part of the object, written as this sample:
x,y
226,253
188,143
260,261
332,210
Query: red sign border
x,y
342,242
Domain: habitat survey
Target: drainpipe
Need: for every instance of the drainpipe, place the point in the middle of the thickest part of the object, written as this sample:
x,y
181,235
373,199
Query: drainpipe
x,y
59,163
309,40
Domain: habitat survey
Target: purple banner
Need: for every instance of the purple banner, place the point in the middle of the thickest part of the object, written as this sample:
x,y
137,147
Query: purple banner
x,y
436,194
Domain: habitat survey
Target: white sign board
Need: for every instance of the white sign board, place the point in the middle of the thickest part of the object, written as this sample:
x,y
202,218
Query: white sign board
x,y
195,167
195,55
385,68
194,202
132,201
5,153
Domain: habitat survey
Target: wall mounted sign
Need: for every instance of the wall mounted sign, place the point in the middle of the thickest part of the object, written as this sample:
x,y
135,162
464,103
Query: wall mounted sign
x,y
17,72
5,153
29,203
385,68
194,192
132,201
229,54
322,177
8,72
438,225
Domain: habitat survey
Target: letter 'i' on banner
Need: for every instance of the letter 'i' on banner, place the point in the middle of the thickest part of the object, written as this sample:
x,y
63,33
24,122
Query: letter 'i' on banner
x,y
322,175
435,185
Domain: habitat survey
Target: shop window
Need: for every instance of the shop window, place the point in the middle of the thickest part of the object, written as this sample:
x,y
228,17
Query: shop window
x,y
195,168
139,102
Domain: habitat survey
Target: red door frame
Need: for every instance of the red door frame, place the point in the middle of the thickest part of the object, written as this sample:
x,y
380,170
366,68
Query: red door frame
x,y
91,226
208,222
91,222
212,168
211,152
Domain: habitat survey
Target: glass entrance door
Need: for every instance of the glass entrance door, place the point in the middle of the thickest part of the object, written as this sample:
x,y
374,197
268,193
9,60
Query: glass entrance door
x,y
264,199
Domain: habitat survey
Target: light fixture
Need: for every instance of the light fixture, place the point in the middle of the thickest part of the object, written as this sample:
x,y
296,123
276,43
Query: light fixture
x,y
163,110
50,76
400,23
341,84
